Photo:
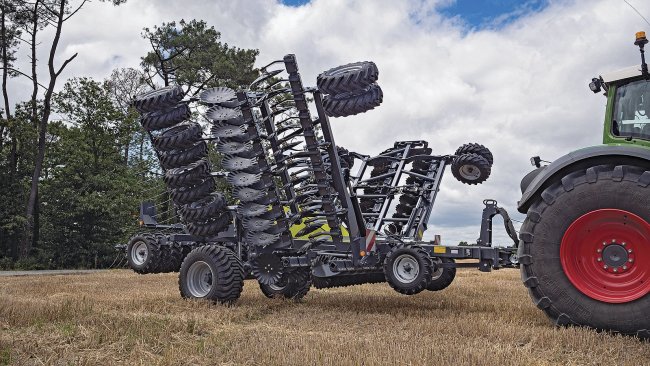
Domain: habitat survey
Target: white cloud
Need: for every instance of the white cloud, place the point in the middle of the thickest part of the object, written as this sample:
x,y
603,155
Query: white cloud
x,y
520,90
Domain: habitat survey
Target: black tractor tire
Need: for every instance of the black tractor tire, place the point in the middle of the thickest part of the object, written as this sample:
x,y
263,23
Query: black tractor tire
x,y
185,195
442,277
143,253
204,209
189,175
174,256
471,168
350,78
211,227
159,99
181,136
182,157
159,120
408,269
601,203
211,272
478,149
294,286
348,104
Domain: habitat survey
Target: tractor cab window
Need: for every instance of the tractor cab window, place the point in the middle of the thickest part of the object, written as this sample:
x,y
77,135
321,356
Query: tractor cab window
x,y
632,110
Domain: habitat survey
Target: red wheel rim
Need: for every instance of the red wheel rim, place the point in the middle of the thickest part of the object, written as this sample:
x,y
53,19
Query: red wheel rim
x,y
605,254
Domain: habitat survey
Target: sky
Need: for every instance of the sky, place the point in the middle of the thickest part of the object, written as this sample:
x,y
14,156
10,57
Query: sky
x,y
511,75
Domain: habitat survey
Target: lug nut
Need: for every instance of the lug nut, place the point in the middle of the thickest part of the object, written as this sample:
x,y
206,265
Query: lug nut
x,y
613,240
605,267
629,250
599,259
623,243
604,243
598,250
615,269
624,267
630,260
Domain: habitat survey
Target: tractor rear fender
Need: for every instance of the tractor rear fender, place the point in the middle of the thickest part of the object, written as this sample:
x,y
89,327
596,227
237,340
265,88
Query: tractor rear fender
x,y
534,183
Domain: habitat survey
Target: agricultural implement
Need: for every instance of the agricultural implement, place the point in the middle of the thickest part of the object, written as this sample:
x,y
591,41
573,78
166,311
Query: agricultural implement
x,y
585,243
301,216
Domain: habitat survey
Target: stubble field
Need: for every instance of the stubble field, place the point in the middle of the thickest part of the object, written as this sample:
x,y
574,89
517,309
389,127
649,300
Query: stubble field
x,y
119,317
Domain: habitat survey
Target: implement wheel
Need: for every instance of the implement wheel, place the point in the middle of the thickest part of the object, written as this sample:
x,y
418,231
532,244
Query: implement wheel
x,y
585,249
292,286
211,272
408,269
442,277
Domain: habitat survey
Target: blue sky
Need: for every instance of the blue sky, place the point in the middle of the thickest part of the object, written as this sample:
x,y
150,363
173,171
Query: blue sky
x,y
479,14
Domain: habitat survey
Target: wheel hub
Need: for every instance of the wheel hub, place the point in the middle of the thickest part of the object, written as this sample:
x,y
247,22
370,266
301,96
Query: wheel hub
x,y
605,253
406,268
470,172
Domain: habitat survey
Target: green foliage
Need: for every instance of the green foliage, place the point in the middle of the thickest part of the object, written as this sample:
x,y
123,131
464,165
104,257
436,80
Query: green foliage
x,y
190,54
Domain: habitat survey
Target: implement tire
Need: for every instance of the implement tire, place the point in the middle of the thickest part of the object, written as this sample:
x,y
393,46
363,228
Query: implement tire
x,y
204,209
474,148
180,157
292,286
185,195
471,168
442,277
211,272
350,78
180,136
189,175
143,253
585,249
159,99
408,269
348,104
211,227
159,120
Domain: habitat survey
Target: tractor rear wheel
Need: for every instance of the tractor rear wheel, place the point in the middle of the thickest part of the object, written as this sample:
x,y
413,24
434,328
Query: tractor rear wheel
x,y
585,249
211,272
408,269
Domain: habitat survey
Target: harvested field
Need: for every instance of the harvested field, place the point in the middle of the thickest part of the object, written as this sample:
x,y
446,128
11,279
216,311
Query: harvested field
x,y
119,317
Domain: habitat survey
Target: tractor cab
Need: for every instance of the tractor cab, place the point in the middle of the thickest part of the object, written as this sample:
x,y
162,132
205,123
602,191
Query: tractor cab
x,y
627,120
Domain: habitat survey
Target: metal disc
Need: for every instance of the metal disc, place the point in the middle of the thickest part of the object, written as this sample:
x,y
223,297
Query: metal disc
x,y
233,147
267,268
224,131
257,223
218,113
243,179
251,209
231,162
261,238
217,95
247,194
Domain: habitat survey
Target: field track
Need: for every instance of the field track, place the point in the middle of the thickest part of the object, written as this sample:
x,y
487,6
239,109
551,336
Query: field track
x,y
119,317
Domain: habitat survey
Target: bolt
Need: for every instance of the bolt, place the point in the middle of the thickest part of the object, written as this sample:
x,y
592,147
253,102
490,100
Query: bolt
x,y
624,267
598,250
599,259
605,267
613,240
615,269
630,260
623,243
629,250
604,243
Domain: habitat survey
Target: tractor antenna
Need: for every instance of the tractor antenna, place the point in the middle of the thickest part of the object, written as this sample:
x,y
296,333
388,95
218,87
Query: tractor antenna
x,y
641,15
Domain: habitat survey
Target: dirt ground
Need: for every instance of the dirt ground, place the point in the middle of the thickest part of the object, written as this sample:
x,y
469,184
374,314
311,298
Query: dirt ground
x,y
119,317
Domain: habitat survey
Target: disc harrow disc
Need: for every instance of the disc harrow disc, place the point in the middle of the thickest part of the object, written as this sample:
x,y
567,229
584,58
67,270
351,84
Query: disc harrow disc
x,y
261,239
267,268
231,162
218,113
257,223
247,194
250,209
217,95
222,130
233,147
243,179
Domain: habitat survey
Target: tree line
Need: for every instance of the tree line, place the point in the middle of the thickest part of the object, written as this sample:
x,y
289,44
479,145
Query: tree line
x,y
74,162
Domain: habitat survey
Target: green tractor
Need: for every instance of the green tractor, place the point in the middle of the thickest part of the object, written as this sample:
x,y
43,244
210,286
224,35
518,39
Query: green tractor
x,y
585,244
